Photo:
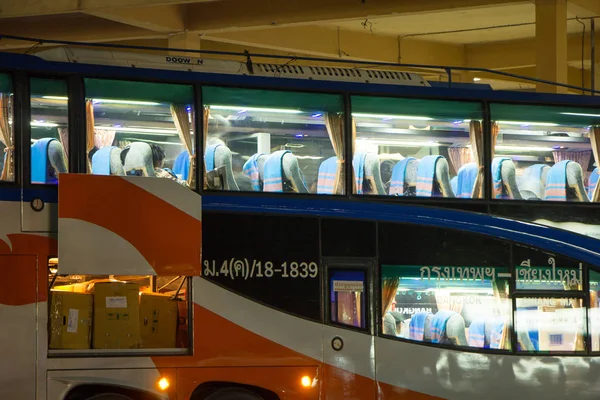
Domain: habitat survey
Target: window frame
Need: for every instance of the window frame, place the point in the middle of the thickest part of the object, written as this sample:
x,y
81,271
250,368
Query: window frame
x,y
426,201
26,127
128,77
366,265
536,202
17,78
344,98
513,295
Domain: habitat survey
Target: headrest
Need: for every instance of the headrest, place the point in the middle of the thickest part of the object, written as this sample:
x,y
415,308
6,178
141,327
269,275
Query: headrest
x,y
593,182
466,180
454,184
504,179
533,180
274,172
397,185
282,173
138,160
326,178
47,161
367,174
565,182
358,163
252,170
433,177
102,161
181,166
209,156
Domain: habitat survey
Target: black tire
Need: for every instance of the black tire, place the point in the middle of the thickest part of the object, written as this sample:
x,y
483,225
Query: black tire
x,y
233,394
109,396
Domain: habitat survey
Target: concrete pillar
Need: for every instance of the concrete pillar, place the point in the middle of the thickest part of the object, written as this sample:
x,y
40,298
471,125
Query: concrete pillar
x,y
184,40
551,44
597,61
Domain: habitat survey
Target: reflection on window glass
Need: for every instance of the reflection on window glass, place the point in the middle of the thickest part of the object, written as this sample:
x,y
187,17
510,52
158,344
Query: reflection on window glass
x,y
544,153
49,130
550,324
7,138
538,270
460,306
140,128
259,140
594,311
347,297
411,147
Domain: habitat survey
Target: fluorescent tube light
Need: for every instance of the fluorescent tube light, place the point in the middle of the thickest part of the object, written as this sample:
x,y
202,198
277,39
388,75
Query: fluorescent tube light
x,y
523,148
382,116
581,114
521,123
45,124
55,98
271,110
129,102
142,130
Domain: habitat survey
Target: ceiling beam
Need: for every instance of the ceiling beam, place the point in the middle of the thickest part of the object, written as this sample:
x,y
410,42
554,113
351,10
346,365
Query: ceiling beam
x,y
235,14
29,8
86,29
519,53
165,18
584,8
328,42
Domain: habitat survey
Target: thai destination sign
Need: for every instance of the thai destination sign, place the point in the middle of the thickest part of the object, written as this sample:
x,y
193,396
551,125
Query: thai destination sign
x,y
450,273
526,273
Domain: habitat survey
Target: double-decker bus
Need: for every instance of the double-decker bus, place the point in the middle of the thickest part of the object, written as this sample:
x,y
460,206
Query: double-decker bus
x,y
347,233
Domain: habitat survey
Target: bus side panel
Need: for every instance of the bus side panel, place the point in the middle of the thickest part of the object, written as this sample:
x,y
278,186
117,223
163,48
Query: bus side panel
x,y
18,310
286,382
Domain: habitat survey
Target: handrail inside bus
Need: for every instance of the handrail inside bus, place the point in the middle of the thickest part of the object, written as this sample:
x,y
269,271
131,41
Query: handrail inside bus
x,y
247,56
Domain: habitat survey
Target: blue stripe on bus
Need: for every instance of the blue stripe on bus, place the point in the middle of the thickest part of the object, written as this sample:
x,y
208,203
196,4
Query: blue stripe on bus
x,y
47,194
578,246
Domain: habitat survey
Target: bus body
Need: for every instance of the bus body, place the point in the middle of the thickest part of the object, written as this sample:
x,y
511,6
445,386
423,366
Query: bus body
x,y
136,287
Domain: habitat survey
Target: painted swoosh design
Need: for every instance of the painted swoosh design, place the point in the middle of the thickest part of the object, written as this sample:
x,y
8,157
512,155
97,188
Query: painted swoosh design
x,y
166,233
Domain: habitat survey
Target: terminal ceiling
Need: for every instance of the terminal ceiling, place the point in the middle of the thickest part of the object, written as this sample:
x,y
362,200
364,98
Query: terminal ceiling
x,y
492,34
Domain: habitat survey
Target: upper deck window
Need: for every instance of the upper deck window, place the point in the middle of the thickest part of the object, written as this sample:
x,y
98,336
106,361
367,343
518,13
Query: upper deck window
x,y
140,128
49,130
260,140
7,138
414,147
545,153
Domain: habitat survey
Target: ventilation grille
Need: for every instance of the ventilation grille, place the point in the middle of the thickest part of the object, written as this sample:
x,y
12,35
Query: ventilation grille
x,y
333,73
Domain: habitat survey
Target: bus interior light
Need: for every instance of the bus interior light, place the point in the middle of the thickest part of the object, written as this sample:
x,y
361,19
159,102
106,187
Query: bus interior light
x,y
523,123
386,117
256,109
581,114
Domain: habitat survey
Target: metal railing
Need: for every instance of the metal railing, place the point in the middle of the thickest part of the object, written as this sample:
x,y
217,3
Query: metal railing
x,y
247,56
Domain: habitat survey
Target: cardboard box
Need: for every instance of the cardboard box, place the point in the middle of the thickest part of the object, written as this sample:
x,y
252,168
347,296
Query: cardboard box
x,y
158,321
183,333
116,315
70,320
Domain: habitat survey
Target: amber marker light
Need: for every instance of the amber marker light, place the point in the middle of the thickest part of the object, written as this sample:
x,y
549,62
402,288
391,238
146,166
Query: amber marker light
x,y
163,384
306,381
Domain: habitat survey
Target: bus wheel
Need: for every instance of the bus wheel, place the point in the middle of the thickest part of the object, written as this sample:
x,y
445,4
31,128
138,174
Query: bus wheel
x,y
234,394
109,396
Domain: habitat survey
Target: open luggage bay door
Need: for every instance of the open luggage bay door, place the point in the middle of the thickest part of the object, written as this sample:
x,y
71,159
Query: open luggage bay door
x,y
128,225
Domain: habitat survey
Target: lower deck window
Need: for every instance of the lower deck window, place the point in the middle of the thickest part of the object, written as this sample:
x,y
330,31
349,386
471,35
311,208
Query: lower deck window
x,y
459,306
107,314
550,324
